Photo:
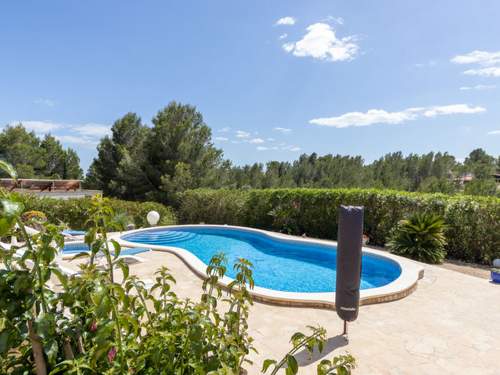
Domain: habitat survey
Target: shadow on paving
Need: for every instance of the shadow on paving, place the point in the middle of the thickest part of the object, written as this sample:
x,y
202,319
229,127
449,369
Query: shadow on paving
x,y
305,358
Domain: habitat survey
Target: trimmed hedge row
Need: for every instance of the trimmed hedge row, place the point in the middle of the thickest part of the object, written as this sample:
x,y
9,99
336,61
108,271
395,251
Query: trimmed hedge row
x,y
473,223
74,211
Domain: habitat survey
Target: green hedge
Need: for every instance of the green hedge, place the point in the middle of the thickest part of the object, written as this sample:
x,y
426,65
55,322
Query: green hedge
x,y
74,211
473,223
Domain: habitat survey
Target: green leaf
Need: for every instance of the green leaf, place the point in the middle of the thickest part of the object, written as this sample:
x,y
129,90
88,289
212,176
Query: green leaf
x,y
4,341
10,212
9,169
292,364
80,255
117,248
124,267
60,275
11,208
45,325
267,363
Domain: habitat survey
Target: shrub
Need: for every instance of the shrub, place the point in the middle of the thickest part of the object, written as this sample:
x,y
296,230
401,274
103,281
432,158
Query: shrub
x,y
472,223
96,324
221,206
74,212
420,237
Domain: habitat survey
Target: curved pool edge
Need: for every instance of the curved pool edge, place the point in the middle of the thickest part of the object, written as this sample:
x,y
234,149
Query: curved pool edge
x,y
404,285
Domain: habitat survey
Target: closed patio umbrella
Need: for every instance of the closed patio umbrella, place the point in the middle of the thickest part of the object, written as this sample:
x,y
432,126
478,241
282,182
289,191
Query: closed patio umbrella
x,y
350,237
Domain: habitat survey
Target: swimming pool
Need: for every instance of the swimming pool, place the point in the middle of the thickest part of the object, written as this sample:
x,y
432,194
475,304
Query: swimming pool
x,y
279,264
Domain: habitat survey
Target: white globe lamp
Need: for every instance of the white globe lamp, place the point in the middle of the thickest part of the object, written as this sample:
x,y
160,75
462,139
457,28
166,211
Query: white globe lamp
x,y
153,218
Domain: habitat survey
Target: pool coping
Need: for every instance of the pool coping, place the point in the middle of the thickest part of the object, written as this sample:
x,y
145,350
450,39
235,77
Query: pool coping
x,y
404,285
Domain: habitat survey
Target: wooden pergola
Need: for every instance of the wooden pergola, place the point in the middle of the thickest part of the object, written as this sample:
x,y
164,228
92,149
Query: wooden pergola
x,y
40,185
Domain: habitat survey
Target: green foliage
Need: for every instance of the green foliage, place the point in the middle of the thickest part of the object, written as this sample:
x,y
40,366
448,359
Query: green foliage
x,y
98,325
420,237
472,223
482,187
156,163
177,153
93,323
74,212
117,170
34,157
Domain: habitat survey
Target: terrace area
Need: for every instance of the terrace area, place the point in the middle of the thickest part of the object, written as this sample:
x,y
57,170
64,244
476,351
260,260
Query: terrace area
x,y
448,325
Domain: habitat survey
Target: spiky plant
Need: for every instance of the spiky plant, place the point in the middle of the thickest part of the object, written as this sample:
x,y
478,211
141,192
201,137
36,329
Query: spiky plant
x,y
420,237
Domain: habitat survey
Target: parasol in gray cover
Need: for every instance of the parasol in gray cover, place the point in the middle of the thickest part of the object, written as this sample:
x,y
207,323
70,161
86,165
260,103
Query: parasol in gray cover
x,y
350,239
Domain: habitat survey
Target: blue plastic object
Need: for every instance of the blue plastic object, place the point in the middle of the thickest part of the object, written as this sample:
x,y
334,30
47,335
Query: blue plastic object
x,y
495,277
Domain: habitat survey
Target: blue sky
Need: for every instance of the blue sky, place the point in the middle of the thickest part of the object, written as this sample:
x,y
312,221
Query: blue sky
x,y
273,79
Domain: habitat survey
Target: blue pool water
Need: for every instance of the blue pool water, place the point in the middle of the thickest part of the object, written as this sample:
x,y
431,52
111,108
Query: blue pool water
x,y
78,247
278,264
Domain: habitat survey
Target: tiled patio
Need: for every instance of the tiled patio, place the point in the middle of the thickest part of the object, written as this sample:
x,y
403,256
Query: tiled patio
x,y
449,325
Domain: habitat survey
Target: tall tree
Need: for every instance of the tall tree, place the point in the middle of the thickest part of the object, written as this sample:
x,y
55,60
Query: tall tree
x,y
35,158
117,170
480,164
179,151
71,168
54,156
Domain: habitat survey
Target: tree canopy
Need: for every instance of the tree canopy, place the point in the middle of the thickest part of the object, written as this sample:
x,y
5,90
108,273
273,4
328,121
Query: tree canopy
x,y
33,157
176,153
138,162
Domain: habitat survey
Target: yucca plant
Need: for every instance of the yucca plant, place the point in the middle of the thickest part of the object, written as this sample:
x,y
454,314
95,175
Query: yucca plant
x,y
420,237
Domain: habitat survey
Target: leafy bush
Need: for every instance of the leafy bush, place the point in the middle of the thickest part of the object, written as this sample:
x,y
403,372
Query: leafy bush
x,y
95,324
74,212
472,223
420,237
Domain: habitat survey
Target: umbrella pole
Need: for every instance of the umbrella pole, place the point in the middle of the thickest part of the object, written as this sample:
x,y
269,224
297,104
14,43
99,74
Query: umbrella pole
x,y
345,331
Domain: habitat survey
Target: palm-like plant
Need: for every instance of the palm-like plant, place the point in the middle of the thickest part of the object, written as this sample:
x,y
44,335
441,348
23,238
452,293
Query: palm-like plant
x,y
420,237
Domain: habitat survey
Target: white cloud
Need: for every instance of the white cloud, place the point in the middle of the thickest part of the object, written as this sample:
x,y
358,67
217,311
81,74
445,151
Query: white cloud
x,y
493,71
286,21
221,139
338,20
39,127
271,139
224,130
494,132
484,58
242,134
264,148
380,116
452,110
45,102
282,130
373,116
478,87
290,148
283,36
487,63
92,130
320,42
78,140
256,141
84,134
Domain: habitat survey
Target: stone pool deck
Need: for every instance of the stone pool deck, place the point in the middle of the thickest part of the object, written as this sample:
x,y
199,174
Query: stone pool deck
x,y
450,324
